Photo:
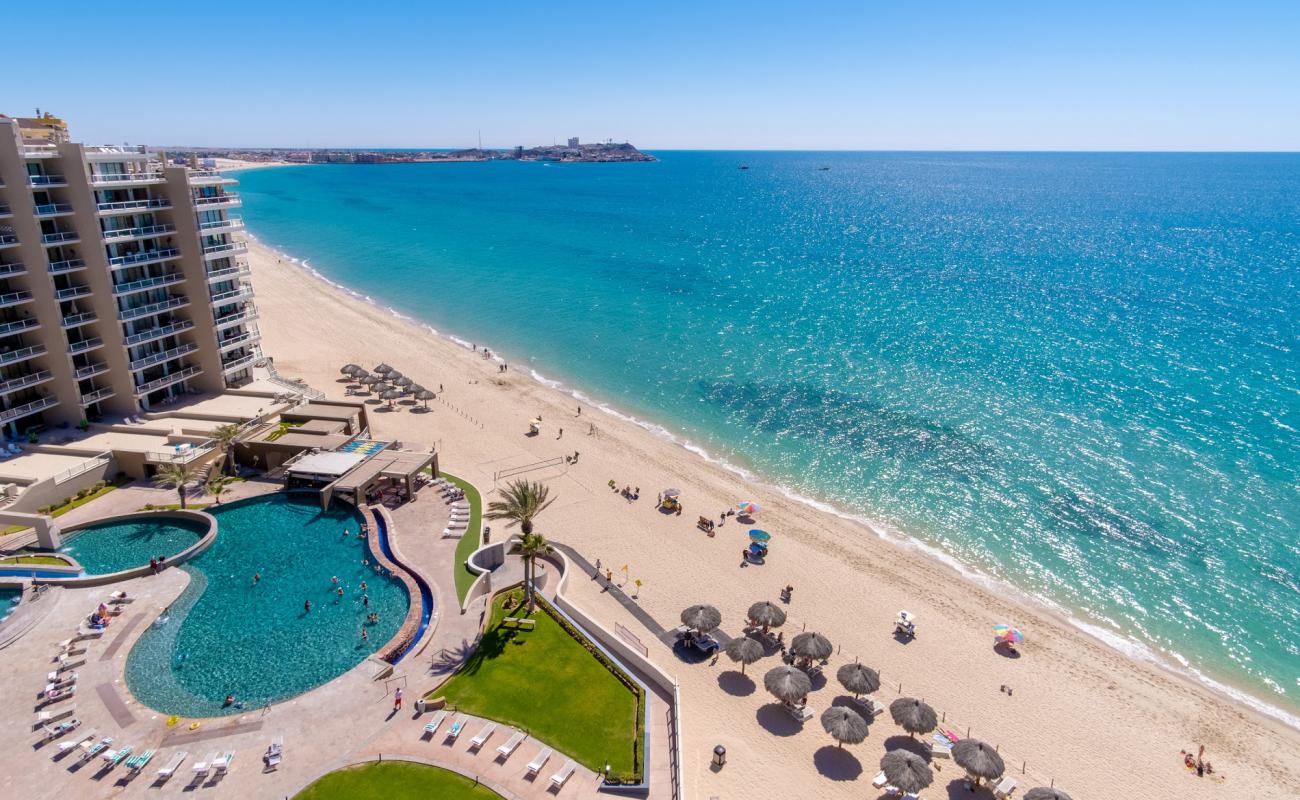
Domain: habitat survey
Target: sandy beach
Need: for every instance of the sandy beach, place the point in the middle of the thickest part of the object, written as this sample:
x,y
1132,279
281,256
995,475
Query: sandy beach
x,y
1097,722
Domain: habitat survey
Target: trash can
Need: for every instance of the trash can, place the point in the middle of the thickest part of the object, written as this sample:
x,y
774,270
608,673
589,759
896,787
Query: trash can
x,y
719,756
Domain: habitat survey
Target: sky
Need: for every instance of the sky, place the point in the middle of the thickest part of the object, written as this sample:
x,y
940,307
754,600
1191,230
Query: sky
x,y
708,74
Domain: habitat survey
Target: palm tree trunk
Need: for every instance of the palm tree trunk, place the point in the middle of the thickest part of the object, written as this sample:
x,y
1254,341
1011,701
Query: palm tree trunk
x,y
180,492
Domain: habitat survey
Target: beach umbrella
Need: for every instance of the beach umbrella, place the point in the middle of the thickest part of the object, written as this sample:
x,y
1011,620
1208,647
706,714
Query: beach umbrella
x,y
401,380
913,716
380,387
425,395
977,758
350,369
787,684
844,725
368,379
858,678
1007,634
393,375
755,535
745,650
1044,793
382,368
767,614
702,618
747,508
812,645
391,394
907,771
672,493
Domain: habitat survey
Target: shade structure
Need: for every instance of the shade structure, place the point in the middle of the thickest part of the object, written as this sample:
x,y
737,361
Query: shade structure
x,y
400,380
672,492
768,614
351,369
747,508
367,379
913,716
755,535
858,678
702,618
1008,634
424,394
787,684
812,645
1044,793
977,758
906,770
393,375
391,394
382,368
381,387
844,724
744,650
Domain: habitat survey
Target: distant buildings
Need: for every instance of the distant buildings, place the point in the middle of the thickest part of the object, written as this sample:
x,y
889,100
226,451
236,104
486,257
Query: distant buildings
x,y
573,142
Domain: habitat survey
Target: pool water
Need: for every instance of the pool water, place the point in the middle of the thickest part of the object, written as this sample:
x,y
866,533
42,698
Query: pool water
x,y
8,602
227,636
113,547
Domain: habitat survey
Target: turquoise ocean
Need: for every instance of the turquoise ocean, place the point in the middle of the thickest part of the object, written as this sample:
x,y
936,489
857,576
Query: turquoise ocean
x,y
1078,374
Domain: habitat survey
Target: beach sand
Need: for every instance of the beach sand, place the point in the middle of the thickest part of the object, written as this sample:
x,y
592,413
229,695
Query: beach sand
x,y
1098,722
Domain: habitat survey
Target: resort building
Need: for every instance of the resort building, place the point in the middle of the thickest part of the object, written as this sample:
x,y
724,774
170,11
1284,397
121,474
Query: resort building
x,y
121,283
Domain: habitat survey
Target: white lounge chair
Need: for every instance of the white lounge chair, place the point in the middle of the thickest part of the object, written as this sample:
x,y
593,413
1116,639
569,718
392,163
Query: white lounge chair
x,y
506,750
560,778
535,766
483,735
89,750
201,768
222,763
434,724
169,769
1005,788
73,744
274,753
457,726
880,781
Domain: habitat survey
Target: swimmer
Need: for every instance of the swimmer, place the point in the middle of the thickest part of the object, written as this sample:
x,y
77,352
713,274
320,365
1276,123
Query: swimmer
x,y
365,562
340,592
306,606
347,532
364,635
363,586
335,580
230,700
365,600
257,576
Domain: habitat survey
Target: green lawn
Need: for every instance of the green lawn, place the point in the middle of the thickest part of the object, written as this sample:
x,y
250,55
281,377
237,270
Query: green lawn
x,y
59,511
47,560
547,683
471,540
395,780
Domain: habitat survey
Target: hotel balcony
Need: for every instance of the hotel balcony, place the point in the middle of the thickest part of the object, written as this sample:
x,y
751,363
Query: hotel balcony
x,y
85,346
72,293
248,337
90,371
40,151
247,314
153,308
5,211
126,206
227,200
27,409
128,234
46,180
221,225
157,332
159,358
167,380
141,285
14,299
10,270
77,320
22,354
24,381
90,398
48,210
237,363
115,179
19,325
225,249
71,265
237,271
60,237
112,153
8,240
146,257
245,290
208,177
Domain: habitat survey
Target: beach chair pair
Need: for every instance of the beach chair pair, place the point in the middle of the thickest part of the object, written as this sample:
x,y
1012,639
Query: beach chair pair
x,y
1004,789
431,729
81,742
135,764
216,762
274,754
169,769
60,730
112,758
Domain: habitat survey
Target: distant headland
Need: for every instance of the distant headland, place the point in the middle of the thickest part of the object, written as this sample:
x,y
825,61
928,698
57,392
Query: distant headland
x,y
572,152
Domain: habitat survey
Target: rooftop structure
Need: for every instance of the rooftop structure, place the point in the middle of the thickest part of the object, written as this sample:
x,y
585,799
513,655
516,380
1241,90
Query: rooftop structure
x,y
121,286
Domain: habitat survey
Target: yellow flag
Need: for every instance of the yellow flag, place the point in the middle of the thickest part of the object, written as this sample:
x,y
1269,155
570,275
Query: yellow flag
x,y
623,568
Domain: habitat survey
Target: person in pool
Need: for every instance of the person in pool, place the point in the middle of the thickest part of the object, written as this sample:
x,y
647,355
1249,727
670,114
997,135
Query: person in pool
x,y
335,580
363,586
257,576
306,605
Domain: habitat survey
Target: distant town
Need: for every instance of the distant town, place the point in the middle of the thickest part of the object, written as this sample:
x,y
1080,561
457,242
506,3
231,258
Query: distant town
x,y
572,151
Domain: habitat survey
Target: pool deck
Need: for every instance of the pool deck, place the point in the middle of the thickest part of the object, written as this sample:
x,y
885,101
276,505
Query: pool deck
x,y
346,721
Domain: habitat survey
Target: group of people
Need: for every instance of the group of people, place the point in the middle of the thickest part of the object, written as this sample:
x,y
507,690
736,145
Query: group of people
x,y
157,564
1197,763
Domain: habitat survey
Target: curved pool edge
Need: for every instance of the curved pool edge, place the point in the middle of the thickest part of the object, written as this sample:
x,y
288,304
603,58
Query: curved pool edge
x,y
81,581
404,642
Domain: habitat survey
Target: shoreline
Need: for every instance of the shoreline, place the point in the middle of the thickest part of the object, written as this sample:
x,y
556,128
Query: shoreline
x,y
1118,641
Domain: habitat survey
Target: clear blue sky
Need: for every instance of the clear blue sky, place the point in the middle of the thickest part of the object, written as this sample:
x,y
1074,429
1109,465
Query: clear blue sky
x,y
906,74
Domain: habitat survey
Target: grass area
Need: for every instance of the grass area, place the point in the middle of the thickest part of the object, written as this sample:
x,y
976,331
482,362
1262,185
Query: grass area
x,y
173,507
60,510
395,780
472,538
51,561
550,684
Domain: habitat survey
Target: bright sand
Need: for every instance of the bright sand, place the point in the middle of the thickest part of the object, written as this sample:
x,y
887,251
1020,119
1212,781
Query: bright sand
x,y
1100,723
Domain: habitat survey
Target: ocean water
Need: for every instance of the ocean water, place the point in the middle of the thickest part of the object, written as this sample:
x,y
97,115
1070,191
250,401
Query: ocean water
x,y
1075,373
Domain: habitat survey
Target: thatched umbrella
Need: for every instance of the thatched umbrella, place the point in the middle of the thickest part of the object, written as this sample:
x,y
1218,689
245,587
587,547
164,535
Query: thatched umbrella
x,y
1044,793
390,395
844,725
913,716
425,395
977,758
393,375
745,650
858,678
906,770
787,683
400,380
812,646
767,614
380,387
382,368
351,369
368,379
702,618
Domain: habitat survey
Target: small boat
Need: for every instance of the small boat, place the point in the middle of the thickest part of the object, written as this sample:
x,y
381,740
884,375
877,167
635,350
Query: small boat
x,y
743,166
823,169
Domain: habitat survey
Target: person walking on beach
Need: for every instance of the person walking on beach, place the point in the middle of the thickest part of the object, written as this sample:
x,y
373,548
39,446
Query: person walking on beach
x,y
580,411
560,435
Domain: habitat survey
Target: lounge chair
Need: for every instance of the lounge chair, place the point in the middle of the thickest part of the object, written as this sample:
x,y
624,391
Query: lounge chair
x,y
112,758
141,761
483,735
62,729
938,750
85,632
535,766
222,763
92,750
81,741
457,726
120,597
274,754
434,724
800,713
44,718
880,781
169,769
201,768
506,750
560,778
1005,788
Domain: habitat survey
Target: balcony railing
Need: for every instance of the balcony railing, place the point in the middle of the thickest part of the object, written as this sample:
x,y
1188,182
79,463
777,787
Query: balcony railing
x,y
53,209
46,180
73,320
84,346
167,380
147,283
246,315
157,332
22,354
236,341
233,223
5,211
205,177
244,290
17,268
91,370
119,178
218,199
94,397
135,205
235,364
145,257
40,151
7,239
138,233
23,381
14,298
159,358
228,272
27,409
72,293
152,308
69,265
180,454
231,248
60,237
19,325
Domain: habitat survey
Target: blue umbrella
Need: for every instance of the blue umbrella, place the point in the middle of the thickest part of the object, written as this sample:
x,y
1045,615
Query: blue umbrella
x,y
759,536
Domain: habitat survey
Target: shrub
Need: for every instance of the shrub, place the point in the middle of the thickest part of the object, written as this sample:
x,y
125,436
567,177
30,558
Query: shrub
x,y
67,501
44,509
148,506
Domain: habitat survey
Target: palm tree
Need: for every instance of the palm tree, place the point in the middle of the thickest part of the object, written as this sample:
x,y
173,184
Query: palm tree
x,y
529,547
176,476
216,486
521,501
225,436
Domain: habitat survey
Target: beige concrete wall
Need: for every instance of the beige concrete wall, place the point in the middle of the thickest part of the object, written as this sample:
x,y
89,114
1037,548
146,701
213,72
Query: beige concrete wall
x,y
196,282
47,492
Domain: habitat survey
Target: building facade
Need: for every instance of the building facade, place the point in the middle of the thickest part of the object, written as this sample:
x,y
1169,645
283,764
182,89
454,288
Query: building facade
x,y
121,282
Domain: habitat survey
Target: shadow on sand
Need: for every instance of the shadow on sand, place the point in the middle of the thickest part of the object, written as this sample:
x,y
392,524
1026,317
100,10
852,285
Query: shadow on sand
x,y
837,763
736,684
777,721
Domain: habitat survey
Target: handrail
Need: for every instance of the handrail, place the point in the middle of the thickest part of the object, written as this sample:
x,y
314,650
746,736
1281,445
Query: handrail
x,y
248,313
18,325
225,247
25,380
60,236
53,208
79,319
22,353
96,396
84,345
15,297
131,233
83,467
152,308
229,222
157,332
45,180
224,272
182,457
43,403
145,283
146,255
72,292
233,341
227,197
160,357
167,380
234,294
125,177
237,363
130,205
66,265
91,370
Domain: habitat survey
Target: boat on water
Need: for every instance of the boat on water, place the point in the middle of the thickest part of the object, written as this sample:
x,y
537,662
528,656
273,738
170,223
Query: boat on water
x,y
743,166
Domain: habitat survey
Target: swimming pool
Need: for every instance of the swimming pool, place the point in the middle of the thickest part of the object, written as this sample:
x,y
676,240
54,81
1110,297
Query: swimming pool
x,y
114,546
228,636
8,601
